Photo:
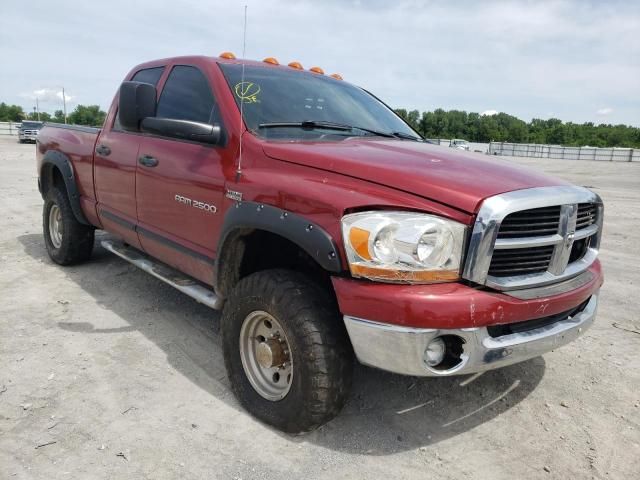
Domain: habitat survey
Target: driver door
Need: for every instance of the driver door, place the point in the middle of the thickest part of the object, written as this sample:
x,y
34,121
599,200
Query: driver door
x,y
180,183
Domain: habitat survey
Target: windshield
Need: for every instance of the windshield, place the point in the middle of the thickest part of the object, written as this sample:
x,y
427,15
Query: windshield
x,y
31,125
276,95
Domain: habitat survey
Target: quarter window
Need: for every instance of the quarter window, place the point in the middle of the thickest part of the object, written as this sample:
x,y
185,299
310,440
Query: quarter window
x,y
148,75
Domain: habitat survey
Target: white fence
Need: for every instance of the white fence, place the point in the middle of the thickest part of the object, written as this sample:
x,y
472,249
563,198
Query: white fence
x,y
564,153
9,128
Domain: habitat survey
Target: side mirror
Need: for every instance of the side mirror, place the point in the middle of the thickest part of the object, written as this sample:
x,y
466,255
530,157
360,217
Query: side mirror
x,y
137,101
183,129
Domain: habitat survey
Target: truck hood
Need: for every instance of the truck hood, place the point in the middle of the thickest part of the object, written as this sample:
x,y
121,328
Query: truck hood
x,y
452,177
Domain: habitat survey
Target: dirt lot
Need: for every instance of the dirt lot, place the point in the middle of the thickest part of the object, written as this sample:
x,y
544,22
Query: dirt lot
x,y
106,372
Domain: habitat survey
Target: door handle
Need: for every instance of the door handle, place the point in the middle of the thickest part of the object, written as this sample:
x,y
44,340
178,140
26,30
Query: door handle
x,y
103,150
148,161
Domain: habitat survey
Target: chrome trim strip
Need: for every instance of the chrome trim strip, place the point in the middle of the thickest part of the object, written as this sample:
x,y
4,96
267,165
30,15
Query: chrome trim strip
x,y
494,209
550,290
401,349
527,242
585,232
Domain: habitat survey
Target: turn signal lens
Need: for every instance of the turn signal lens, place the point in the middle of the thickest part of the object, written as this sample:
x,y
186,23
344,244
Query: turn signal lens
x,y
271,60
227,55
337,76
296,65
359,239
317,70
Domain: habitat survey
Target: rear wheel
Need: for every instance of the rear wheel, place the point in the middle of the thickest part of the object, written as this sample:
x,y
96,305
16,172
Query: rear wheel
x,y
67,240
286,350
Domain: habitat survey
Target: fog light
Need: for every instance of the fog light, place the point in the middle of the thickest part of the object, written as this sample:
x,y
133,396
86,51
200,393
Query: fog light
x,y
434,353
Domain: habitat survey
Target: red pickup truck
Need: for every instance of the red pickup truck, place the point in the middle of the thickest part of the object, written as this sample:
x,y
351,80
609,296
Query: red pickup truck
x,y
323,226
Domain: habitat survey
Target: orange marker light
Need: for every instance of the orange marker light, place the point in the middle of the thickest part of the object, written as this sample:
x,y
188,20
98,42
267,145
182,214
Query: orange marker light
x,y
337,76
228,55
296,65
317,70
359,239
271,60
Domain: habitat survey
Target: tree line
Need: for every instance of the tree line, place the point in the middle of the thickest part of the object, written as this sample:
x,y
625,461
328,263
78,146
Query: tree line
x,y
470,126
502,127
82,115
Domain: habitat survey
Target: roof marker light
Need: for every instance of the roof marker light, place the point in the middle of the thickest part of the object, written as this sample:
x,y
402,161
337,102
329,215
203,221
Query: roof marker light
x,y
271,60
228,55
337,76
317,70
296,65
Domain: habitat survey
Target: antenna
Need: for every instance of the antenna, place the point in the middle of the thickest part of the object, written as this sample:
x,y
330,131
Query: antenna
x,y
244,49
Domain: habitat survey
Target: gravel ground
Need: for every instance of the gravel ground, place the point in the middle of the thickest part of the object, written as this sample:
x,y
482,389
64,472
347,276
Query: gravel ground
x,y
106,372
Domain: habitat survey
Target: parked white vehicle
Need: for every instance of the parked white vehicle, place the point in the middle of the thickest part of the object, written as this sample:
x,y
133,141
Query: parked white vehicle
x,y
459,144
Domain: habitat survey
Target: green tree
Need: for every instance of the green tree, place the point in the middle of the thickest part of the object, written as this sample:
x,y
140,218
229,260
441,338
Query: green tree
x,y
11,113
44,116
58,116
87,115
502,127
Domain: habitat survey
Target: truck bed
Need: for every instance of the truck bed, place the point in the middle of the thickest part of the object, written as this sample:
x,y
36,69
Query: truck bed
x,y
77,143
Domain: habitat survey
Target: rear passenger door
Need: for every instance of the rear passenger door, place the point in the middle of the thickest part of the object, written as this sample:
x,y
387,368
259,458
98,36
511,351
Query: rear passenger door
x,y
180,190
115,162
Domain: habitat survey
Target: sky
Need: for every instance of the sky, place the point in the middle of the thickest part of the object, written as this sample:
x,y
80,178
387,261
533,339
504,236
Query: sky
x,y
577,60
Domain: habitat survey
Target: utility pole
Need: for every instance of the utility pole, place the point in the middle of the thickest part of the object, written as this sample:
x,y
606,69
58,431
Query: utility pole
x,y
37,108
64,105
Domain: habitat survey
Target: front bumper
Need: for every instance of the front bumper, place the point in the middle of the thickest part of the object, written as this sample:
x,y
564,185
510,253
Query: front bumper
x,y
401,349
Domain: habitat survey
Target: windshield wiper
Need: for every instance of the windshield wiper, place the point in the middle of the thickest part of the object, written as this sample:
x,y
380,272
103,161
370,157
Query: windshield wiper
x,y
312,124
407,136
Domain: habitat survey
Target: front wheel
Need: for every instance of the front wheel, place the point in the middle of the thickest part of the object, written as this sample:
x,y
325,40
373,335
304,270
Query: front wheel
x,y
286,350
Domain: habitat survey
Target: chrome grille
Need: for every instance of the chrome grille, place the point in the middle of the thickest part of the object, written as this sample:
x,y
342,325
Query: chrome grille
x,y
534,237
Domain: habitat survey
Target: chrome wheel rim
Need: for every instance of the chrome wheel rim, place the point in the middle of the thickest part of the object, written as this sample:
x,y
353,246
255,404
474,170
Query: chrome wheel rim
x,y
55,226
266,355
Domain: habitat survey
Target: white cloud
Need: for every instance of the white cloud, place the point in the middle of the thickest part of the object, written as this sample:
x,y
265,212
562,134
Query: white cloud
x,y
489,112
48,95
605,111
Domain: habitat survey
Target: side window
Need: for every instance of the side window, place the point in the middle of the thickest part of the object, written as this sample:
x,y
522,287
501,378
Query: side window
x,y
187,96
148,75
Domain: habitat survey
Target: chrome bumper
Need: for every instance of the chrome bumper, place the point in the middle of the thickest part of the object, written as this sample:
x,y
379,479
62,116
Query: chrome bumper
x,y
400,349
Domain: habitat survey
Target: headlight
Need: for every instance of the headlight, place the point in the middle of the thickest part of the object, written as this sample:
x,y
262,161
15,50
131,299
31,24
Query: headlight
x,y
403,247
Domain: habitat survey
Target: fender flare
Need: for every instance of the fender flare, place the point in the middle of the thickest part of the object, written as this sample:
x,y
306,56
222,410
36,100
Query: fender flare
x,y
310,237
54,159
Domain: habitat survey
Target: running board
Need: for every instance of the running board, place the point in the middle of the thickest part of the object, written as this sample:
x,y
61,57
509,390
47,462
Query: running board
x,y
165,273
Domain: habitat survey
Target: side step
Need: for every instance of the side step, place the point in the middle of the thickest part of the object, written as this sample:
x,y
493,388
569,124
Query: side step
x,y
165,273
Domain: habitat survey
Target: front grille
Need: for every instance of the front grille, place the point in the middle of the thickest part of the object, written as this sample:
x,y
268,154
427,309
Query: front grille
x,y
531,223
528,325
531,237
520,261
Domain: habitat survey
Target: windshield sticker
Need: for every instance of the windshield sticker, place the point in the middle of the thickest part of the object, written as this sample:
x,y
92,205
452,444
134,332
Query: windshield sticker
x,y
247,92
